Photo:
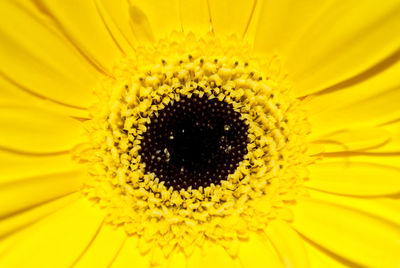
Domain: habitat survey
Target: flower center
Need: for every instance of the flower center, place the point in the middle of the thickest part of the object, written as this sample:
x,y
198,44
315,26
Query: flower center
x,y
194,142
196,139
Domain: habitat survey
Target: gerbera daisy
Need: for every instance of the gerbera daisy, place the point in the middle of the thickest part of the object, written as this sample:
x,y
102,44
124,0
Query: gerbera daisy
x,y
199,133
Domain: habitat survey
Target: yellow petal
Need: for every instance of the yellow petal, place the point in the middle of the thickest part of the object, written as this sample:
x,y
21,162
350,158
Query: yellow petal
x,y
211,255
36,130
10,225
195,16
393,146
56,241
321,53
364,104
33,165
177,259
351,234
354,178
258,252
81,24
112,26
14,94
319,257
315,148
353,140
103,248
251,31
383,207
231,17
140,25
41,62
163,16
282,23
22,195
129,255
386,154
377,158
120,15
287,243
156,257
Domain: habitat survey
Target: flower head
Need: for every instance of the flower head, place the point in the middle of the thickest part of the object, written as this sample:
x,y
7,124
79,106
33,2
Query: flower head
x,y
199,133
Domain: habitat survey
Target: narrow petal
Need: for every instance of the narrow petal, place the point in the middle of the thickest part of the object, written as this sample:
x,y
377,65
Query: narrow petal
x,y
216,256
33,165
81,24
56,241
351,234
252,27
38,61
282,23
319,53
365,104
103,248
195,16
177,259
19,196
211,255
386,154
393,146
321,258
120,16
140,25
240,13
354,178
353,140
386,208
258,252
287,243
11,93
35,130
10,225
378,158
129,255
119,37
156,13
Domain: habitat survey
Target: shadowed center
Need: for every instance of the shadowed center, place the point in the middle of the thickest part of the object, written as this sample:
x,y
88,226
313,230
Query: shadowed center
x,y
194,142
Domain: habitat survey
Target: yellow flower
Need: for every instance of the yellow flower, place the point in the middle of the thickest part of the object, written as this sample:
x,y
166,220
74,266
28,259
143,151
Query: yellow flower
x,y
199,133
